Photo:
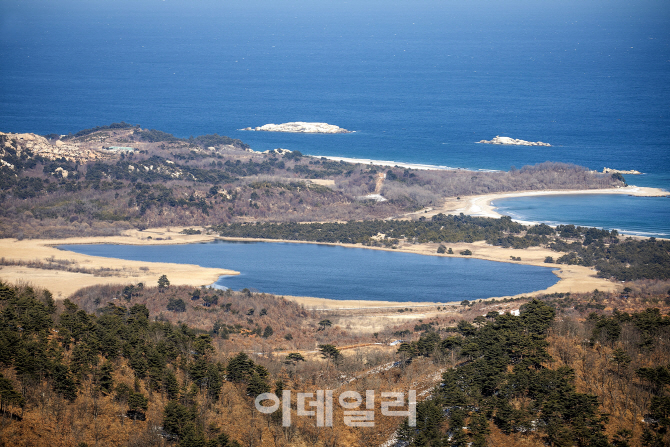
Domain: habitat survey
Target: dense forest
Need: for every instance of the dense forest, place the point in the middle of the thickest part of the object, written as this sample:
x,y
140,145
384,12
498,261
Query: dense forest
x,y
124,375
504,381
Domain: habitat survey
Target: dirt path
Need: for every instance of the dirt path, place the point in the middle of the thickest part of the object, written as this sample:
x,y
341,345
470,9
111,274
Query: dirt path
x,y
379,182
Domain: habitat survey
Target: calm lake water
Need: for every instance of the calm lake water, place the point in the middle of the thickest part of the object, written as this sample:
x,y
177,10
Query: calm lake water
x,y
342,273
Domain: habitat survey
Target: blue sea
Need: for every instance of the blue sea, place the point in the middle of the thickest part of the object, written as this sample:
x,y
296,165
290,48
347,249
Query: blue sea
x,y
418,82
641,216
342,273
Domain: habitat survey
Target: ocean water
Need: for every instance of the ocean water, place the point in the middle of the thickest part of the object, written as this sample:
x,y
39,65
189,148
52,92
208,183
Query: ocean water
x,y
419,82
342,273
642,216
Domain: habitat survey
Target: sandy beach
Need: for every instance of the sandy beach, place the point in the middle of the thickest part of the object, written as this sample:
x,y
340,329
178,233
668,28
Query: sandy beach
x,y
481,205
388,163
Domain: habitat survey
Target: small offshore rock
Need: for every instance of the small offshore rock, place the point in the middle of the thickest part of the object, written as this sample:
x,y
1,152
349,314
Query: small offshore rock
x,y
299,127
512,141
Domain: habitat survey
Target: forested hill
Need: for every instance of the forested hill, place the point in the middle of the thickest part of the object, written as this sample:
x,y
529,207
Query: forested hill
x,y
121,376
106,179
505,381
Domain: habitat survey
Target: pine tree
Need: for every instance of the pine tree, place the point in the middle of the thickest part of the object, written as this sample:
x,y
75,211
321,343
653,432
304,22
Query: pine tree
x,y
63,383
8,395
240,368
106,381
192,436
6,292
163,283
198,371
330,352
257,385
171,386
479,429
214,380
175,418
137,406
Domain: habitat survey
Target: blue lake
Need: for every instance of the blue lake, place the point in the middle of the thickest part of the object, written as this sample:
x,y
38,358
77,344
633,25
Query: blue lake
x,y
644,216
342,273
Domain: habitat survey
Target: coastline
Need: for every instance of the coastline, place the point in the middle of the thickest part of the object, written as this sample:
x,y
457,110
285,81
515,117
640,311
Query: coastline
x,y
481,206
389,163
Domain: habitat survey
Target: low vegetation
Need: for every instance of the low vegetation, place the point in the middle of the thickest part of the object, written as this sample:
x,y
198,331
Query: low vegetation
x,y
147,364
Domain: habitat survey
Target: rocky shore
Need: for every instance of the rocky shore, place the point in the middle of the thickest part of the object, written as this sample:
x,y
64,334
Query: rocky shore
x,y
300,127
513,142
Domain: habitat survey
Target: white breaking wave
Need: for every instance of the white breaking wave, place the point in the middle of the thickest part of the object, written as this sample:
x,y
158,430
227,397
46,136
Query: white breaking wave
x,y
418,166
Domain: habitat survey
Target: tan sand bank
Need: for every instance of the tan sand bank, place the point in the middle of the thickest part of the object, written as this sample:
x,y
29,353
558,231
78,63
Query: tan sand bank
x,y
91,270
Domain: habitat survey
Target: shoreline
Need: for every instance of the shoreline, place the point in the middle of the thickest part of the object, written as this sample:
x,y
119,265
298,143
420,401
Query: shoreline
x,y
117,271
64,283
481,205
390,163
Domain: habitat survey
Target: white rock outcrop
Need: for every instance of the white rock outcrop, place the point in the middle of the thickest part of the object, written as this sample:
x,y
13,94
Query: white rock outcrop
x,y
375,197
278,151
4,163
39,145
513,142
619,171
300,127
61,172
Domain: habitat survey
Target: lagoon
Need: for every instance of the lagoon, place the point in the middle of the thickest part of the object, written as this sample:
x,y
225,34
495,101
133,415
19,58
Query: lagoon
x,y
342,273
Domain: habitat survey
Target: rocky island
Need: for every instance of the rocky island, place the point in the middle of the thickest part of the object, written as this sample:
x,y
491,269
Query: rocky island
x,y
513,141
300,127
